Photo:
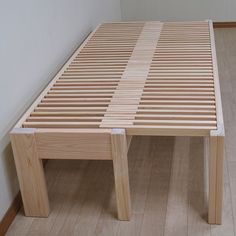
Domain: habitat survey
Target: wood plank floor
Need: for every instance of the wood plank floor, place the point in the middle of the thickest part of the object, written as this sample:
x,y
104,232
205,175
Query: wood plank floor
x,y
168,178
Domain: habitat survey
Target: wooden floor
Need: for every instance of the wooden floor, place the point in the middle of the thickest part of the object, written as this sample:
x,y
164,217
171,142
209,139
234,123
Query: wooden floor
x,y
167,176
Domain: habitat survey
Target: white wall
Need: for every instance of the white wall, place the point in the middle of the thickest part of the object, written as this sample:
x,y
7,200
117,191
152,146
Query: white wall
x,y
36,37
171,10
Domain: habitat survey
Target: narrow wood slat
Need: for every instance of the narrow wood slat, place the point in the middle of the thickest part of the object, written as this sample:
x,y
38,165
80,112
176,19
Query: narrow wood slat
x,y
176,107
171,97
180,102
177,111
174,117
64,119
61,124
67,113
174,122
74,104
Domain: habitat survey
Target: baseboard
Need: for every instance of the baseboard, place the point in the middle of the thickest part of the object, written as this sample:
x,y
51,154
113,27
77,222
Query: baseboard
x,y
231,24
10,214
12,211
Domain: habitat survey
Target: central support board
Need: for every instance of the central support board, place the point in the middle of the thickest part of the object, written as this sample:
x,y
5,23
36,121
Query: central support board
x,y
126,98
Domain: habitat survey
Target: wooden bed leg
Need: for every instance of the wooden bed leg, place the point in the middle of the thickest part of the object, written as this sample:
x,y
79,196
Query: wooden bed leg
x,y
215,178
30,173
121,173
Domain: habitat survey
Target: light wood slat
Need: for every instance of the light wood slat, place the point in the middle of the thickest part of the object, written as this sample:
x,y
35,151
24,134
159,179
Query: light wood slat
x,y
176,107
82,87
184,102
64,119
174,85
177,111
189,89
61,124
170,97
84,95
74,104
76,99
91,76
79,92
59,109
94,80
85,84
175,117
68,113
134,75
82,62
176,93
175,122
179,81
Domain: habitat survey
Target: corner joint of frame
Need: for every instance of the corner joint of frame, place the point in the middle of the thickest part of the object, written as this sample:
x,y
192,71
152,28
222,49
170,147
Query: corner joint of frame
x,y
220,131
16,131
118,131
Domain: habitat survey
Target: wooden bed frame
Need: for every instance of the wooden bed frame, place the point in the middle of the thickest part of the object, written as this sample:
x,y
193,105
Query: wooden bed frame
x,y
127,78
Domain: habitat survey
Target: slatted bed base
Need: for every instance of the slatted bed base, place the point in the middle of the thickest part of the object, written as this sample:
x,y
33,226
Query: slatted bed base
x,y
126,79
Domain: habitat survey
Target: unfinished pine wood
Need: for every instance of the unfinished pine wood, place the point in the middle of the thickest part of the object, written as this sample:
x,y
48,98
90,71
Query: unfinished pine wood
x,y
87,144
30,173
216,177
146,78
31,145
126,71
121,173
186,210
132,81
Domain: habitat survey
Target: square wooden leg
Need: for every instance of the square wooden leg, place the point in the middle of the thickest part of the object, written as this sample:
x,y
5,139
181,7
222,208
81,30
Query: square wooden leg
x,y
121,173
215,178
30,173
